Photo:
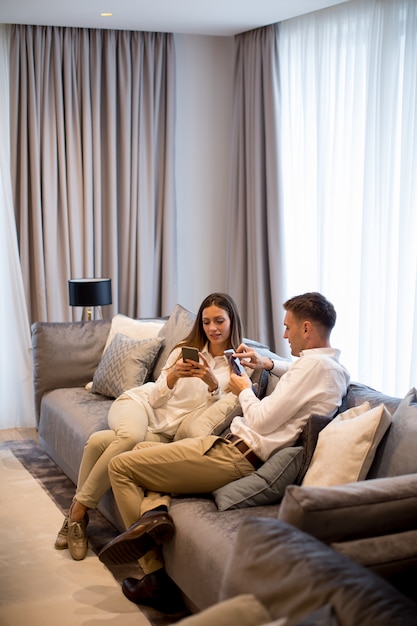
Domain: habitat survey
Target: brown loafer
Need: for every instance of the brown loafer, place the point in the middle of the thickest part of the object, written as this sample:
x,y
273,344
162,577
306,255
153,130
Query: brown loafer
x,y
139,538
156,590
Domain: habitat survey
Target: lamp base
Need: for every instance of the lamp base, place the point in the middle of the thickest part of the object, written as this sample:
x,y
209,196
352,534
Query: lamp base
x,y
92,313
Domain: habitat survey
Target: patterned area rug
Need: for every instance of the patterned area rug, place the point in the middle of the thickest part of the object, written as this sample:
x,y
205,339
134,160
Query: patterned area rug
x,y
100,531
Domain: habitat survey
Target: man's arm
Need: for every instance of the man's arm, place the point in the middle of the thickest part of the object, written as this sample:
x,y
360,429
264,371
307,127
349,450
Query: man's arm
x,y
304,384
254,360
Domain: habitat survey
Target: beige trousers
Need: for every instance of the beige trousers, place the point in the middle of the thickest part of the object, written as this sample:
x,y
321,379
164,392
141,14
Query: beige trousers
x,y
128,422
144,478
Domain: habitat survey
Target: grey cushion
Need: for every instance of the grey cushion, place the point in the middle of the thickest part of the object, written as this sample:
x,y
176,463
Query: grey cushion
x,y
357,394
353,511
396,454
125,364
178,326
308,441
265,486
66,354
293,574
393,556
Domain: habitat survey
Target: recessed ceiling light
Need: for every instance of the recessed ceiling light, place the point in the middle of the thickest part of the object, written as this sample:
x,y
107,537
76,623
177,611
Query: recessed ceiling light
x,y
106,14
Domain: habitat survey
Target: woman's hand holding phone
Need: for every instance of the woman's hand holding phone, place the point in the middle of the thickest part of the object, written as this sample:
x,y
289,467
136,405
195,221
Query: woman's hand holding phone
x,y
195,365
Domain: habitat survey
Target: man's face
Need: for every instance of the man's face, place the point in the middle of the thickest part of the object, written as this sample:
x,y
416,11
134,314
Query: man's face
x,y
294,332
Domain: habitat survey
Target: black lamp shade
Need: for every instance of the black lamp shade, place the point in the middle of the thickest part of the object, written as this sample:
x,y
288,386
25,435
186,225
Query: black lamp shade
x,y
89,292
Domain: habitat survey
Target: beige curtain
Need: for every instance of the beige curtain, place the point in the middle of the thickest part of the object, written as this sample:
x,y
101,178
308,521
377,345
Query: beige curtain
x,y
255,267
92,129
16,388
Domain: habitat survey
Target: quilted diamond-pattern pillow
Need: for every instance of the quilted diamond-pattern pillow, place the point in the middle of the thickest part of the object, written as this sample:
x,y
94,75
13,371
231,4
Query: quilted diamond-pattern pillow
x,y
125,364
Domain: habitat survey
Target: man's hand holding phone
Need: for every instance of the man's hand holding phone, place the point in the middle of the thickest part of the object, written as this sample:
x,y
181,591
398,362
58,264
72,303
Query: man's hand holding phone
x,y
239,380
234,362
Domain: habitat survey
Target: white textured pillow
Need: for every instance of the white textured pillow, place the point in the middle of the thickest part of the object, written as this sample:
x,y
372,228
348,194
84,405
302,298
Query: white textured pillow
x,y
136,329
346,447
213,420
125,364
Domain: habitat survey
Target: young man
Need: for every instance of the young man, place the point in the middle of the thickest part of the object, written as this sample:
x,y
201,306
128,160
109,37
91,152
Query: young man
x,y
143,478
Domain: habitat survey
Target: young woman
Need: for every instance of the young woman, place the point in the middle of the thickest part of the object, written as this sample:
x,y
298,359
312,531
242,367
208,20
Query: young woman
x,y
155,410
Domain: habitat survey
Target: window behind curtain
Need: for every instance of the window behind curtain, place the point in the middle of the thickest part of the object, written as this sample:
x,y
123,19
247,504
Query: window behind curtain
x,y
349,144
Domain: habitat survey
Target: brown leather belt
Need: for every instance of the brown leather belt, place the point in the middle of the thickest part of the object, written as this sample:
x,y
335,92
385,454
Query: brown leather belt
x,y
245,450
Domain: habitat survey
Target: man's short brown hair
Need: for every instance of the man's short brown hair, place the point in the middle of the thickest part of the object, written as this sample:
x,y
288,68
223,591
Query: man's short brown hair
x,y
312,306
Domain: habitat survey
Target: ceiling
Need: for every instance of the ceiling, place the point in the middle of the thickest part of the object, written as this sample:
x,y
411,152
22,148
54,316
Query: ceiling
x,y
208,17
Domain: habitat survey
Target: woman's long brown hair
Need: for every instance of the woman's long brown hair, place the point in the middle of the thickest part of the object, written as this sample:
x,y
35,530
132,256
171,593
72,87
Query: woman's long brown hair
x,y
198,338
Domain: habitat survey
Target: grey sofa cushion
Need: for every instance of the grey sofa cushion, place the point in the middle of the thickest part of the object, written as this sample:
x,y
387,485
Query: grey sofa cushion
x,y
68,418
292,574
308,441
394,557
357,394
66,354
178,326
396,454
203,541
265,486
353,511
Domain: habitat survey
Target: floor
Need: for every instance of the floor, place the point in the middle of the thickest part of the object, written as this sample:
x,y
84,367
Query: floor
x,y
12,434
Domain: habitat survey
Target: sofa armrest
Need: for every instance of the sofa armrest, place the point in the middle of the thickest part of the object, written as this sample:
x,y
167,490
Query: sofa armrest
x,y
293,574
359,510
65,354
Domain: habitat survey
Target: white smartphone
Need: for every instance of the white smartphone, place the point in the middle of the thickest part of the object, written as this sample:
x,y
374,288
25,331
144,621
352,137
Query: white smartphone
x,y
190,353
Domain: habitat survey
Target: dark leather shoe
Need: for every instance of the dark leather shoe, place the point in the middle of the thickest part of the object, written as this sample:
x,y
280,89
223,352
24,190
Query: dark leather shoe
x,y
139,538
156,590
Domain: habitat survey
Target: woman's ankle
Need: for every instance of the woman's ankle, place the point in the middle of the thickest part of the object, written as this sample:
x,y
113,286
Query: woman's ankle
x,y
77,511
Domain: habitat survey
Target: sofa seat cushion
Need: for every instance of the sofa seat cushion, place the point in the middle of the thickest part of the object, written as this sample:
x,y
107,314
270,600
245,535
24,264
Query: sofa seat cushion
x,y
292,574
204,538
68,418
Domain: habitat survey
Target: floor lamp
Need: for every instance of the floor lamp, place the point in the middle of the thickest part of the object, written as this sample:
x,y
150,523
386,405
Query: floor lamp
x,y
90,293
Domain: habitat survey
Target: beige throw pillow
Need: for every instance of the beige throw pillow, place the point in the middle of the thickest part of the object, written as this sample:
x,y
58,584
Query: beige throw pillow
x,y
346,447
213,420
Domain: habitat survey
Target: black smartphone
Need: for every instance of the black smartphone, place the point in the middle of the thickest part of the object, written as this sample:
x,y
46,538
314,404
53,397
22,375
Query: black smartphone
x,y
234,362
190,353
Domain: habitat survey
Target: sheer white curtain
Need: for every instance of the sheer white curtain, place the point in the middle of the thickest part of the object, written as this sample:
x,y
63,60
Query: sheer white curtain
x,y
349,143
16,390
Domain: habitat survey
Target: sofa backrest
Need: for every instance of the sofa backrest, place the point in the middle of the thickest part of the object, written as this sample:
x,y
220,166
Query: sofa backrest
x,y
65,354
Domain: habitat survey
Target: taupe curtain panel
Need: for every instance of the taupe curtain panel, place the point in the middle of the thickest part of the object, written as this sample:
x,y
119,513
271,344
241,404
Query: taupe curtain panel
x,y
255,267
92,140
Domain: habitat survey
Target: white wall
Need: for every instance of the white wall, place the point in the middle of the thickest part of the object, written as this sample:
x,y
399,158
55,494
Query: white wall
x,y
204,67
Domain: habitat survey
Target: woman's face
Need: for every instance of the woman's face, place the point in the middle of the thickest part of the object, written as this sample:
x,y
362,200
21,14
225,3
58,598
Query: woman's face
x,y
216,323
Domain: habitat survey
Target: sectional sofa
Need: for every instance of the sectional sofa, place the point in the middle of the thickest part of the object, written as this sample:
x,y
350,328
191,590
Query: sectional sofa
x,y
347,492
